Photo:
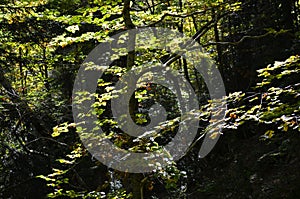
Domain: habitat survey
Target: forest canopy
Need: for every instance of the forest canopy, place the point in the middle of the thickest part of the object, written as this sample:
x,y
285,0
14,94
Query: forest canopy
x,y
255,47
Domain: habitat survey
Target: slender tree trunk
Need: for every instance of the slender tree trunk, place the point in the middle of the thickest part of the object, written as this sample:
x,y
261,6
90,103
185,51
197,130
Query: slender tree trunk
x,y
134,179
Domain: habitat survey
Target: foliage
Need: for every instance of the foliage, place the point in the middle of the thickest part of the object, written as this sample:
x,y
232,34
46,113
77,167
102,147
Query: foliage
x,y
43,43
275,102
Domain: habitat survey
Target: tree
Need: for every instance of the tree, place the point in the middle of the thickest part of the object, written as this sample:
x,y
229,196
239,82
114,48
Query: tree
x,y
43,44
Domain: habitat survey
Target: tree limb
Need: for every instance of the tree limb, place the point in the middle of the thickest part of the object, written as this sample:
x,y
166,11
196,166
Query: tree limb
x,y
15,98
246,37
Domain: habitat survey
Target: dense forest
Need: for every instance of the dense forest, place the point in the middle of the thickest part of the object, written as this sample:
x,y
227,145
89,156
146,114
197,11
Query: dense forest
x,y
249,50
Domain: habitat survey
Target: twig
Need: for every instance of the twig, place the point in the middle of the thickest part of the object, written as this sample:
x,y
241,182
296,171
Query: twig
x,y
46,138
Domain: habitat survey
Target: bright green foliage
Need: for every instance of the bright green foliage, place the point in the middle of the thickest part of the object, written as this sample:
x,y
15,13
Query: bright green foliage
x,y
276,101
44,42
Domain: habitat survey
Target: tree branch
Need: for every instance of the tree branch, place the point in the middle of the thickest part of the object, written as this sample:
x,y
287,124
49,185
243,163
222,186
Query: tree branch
x,y
247,37
198,34
15,98
183,15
